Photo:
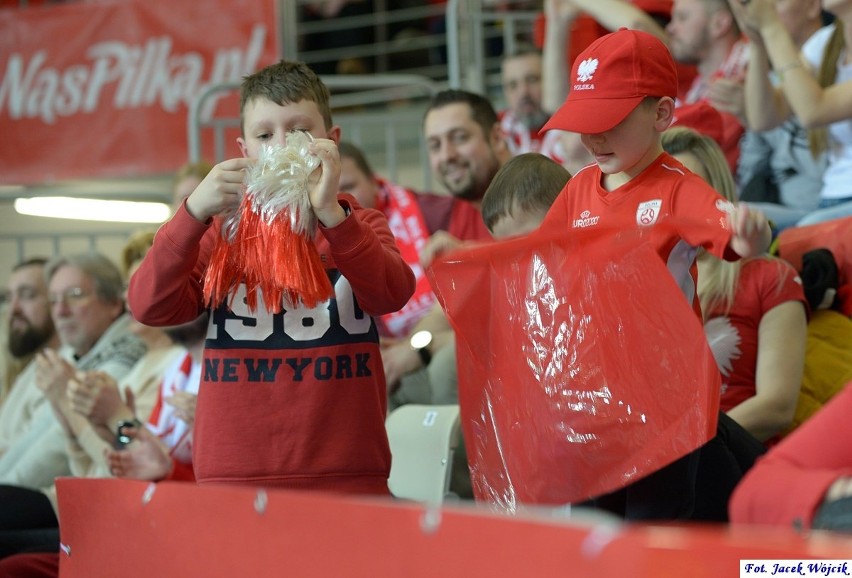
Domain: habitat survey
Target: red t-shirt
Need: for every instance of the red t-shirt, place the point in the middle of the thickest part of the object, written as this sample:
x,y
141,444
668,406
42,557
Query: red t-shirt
x,y
764,283
664,190
466,223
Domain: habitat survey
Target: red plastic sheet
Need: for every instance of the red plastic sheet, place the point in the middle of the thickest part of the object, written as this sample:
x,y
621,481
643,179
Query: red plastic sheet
x,y
582,367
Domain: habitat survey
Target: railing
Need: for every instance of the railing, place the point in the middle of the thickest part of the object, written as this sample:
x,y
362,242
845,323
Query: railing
x,y
405,39
463,46
388,110
26,245
472,29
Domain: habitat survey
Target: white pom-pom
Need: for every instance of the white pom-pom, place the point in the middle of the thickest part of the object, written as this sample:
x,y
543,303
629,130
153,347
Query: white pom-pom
x,y
279,181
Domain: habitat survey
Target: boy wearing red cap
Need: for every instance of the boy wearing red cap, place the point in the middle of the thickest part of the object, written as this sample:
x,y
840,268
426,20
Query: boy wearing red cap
x,y
621,100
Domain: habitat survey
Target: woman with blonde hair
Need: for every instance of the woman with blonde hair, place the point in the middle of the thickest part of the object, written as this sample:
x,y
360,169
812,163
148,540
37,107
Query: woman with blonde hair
x,y
754,312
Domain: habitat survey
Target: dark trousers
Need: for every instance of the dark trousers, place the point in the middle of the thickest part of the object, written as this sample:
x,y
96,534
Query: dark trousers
x,y
694,487
723,462
667,494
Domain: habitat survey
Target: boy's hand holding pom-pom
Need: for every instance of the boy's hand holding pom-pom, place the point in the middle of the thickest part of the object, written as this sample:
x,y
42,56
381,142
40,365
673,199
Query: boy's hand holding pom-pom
x,y
324,182
221,190
267,243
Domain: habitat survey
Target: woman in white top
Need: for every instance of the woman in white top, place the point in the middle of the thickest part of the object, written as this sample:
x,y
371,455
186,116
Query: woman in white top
x,y
815,85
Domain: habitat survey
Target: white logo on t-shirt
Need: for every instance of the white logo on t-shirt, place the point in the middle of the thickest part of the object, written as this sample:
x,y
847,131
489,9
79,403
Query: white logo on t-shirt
x,y
586,220
647,212
724,340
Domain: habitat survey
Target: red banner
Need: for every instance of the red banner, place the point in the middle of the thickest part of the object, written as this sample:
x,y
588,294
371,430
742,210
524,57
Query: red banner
x,y
102,89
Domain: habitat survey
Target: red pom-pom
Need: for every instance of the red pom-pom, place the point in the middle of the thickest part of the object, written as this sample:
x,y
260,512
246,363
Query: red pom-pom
x,y
268,244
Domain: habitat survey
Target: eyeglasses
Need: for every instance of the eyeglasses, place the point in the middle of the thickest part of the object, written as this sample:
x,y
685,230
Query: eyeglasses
x,y
72,296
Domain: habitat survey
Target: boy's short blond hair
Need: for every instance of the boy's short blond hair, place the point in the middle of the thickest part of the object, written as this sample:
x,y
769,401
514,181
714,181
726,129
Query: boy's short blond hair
x,y
528,182
283,83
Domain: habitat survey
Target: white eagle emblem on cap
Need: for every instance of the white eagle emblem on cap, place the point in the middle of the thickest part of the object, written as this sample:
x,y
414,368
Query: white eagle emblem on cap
x,y
587,69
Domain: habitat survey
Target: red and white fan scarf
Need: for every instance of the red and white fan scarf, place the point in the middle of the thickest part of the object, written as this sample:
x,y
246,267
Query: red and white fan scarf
x,y
407,224
175,433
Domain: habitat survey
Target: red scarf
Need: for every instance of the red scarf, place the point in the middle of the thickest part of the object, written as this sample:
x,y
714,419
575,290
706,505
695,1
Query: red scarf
x,y
407,224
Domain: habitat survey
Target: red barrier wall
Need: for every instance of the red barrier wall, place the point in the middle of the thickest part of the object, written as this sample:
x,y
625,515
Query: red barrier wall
x,y
112,528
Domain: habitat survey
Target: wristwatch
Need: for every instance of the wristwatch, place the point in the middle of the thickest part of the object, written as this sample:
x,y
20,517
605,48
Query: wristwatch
x,y
121,437
420,342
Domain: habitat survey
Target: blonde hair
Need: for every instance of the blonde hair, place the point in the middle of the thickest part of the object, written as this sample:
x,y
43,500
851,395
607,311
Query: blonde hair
x,y
135,248
717,278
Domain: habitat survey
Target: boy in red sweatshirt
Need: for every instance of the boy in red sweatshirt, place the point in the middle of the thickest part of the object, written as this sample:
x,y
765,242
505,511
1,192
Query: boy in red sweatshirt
x,y
294,399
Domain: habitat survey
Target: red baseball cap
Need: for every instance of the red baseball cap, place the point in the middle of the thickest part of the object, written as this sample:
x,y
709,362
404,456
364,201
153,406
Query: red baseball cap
x,y
661,7
702,118
611,77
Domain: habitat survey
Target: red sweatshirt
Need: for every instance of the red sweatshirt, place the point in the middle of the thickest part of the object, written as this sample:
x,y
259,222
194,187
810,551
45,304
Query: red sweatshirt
x,y
294,399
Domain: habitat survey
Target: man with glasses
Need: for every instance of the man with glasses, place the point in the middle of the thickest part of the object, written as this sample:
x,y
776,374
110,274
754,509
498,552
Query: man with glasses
x,y
30,329
85,293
